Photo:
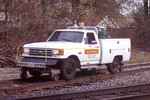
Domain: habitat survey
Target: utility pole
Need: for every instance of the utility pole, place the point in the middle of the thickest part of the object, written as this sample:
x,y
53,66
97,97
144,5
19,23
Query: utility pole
x,y
146,8
6,20
75,4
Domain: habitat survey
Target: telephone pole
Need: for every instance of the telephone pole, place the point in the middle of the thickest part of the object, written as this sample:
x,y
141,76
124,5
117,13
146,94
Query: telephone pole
x,y
147,8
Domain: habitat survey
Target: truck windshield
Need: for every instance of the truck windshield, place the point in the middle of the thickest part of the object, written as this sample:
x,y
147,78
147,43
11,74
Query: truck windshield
x,y
69,36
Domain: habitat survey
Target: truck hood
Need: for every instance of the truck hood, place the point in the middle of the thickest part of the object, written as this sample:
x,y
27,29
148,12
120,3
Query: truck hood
x,y
55,45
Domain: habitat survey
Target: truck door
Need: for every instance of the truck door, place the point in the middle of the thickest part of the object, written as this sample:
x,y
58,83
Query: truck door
x,y
92,51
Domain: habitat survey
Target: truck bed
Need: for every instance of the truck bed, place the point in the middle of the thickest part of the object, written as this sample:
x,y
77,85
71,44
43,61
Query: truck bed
x,y
109,48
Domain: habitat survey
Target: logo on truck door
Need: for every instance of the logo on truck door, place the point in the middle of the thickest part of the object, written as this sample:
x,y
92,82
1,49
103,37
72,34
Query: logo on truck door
x,y
92,51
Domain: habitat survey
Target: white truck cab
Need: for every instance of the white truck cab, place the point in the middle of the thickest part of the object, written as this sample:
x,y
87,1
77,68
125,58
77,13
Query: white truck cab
x,y
77,47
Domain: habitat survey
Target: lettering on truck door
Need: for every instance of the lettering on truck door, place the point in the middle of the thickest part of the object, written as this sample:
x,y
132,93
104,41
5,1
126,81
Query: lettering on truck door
x,y
92,50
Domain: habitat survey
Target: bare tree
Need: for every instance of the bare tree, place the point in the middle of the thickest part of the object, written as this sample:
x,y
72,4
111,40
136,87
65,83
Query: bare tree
x,y
142,28
33,20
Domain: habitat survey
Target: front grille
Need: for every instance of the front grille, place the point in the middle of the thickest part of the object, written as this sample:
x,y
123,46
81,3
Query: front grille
x,y
40,52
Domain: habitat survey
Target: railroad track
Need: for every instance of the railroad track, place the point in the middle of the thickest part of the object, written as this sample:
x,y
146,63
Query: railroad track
x,y
18,87
119,93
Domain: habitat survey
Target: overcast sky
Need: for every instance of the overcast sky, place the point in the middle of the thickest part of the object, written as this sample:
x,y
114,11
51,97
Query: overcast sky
x,y
132,7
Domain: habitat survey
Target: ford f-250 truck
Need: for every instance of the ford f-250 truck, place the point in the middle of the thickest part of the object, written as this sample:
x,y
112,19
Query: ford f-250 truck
x,y
72,49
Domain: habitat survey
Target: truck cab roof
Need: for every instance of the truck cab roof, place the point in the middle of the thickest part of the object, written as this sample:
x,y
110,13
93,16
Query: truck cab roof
x,y
82,27
77,30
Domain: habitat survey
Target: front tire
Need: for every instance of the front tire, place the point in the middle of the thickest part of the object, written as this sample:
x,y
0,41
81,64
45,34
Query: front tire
x,y
68,69
114,66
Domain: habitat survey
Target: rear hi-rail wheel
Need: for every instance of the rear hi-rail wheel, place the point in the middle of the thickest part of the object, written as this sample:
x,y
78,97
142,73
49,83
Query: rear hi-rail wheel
x,y
121,68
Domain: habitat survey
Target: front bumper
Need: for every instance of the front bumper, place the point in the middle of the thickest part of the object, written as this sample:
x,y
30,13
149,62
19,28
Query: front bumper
x,y
36,62
32,65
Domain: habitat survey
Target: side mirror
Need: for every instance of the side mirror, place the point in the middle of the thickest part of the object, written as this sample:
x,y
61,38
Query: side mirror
x,y
85,40
94,42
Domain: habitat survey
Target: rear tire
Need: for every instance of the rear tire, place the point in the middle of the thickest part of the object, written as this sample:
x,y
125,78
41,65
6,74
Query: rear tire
x,y
68,69
35,73
114,66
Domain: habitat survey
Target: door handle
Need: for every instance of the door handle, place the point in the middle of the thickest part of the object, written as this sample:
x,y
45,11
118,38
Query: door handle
x,y
96,47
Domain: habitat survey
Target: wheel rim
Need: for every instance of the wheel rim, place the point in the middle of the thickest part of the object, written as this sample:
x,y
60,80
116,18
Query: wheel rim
x,y
69,68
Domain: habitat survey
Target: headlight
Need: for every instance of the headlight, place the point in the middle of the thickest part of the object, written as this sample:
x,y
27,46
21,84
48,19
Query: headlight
x,y
25,50
58,52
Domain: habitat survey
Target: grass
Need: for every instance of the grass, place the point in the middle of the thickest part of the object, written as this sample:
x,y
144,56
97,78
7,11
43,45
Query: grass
x,y
138,56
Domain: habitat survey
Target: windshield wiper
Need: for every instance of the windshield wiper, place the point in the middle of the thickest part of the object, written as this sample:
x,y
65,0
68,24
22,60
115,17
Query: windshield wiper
x,y
67,40
52,40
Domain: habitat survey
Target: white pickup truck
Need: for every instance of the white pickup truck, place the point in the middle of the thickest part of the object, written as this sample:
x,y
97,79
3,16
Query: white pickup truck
x,y
72,49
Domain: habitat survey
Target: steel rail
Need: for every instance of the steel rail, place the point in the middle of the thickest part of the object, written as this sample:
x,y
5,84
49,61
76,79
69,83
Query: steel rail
x,y
132,97
128,90
4,83
137,64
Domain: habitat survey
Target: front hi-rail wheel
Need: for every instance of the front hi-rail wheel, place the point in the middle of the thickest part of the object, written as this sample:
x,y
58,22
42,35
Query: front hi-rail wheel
x,y
23,73
35,73
55,77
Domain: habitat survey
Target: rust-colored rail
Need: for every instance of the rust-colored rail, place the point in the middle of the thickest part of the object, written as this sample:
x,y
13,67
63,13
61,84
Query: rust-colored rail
x,y
133,97
102,94
137,64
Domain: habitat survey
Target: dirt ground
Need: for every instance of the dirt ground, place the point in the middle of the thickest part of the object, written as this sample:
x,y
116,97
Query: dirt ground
x,y
9,73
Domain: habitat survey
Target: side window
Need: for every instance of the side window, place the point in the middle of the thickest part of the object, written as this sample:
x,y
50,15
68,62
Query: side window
x,y
90,38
